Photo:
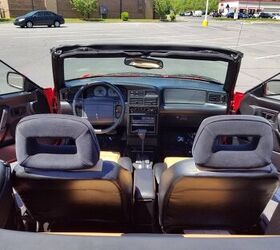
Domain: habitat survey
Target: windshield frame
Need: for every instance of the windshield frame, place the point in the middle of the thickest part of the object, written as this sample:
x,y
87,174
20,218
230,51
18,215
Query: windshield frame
x,y
59,54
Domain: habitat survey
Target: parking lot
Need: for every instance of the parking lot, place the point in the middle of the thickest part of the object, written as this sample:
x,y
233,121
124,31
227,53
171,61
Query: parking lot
x,y
28,50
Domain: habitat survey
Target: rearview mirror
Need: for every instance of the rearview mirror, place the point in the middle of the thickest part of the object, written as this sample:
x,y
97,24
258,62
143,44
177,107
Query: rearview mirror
x,y
143,63
15,80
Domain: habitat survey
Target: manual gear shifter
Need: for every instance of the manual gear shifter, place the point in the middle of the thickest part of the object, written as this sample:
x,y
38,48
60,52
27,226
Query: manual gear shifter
x,y
142,135
142,163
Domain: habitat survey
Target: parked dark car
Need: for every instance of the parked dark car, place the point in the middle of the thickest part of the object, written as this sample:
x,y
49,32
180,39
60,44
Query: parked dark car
x,y
39,17
243,15
230,15
240,15
216,14
265,15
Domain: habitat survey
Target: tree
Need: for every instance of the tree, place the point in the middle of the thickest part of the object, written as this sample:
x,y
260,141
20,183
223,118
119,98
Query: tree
x,y
213,5
200,5
177,6
162,8
85,7
172,7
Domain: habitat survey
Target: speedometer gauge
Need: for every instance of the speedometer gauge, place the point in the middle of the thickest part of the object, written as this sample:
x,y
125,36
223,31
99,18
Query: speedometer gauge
x,y
100,91
112,93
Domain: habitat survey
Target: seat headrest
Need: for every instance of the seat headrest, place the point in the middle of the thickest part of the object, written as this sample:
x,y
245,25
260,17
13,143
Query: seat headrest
x,y
31,153
233,142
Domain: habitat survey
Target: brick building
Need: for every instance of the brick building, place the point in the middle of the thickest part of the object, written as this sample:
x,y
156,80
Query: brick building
x,y
136,8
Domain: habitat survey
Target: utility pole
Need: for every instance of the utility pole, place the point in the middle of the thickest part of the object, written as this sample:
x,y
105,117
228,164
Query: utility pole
x,y
32,2
205,21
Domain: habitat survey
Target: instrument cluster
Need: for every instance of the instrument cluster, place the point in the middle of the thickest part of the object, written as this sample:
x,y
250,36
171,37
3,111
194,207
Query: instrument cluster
x,y
101,91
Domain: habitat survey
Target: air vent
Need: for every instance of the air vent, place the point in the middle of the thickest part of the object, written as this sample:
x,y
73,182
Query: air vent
x,y
216,98
136,101
150,101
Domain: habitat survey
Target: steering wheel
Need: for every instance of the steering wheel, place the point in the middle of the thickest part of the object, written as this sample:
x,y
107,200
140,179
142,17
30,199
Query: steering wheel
x,y
100,110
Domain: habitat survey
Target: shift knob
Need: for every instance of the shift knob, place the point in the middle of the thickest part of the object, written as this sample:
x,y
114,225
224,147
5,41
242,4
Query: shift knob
x,y
142,134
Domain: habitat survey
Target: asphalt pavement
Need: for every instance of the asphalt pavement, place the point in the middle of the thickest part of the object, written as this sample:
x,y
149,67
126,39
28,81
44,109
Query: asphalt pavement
x,y
28,50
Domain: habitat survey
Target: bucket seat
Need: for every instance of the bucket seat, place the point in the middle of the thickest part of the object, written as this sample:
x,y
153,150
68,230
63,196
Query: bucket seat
x,y
228,182
68,183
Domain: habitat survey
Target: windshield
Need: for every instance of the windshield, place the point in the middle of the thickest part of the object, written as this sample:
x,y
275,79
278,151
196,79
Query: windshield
x,y
215,71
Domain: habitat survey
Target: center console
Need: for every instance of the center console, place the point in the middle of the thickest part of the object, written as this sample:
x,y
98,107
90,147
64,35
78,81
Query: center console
x,y
144,200
142,131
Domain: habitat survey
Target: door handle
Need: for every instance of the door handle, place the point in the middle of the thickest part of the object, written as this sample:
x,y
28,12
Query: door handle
x,y
4,119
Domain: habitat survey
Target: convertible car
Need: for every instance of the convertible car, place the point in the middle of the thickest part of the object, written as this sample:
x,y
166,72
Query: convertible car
x,y
139,146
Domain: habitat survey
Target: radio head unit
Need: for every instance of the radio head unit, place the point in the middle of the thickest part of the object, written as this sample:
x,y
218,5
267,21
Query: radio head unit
x,y
143,111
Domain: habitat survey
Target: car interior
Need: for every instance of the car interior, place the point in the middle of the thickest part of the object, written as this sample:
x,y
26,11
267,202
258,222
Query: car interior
x,y
139,154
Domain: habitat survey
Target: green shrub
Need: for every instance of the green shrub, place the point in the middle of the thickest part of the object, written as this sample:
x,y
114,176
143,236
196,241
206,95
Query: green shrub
x,y
125,16
85,7
172,16
4,20
162,8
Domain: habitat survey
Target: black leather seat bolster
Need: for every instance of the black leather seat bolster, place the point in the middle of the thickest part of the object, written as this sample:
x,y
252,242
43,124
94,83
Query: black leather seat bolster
x,y
126,163
159,168
6,194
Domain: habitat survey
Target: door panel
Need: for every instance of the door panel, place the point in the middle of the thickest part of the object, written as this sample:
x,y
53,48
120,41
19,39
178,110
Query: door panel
x,y
38,18
15,104
264,100
49,18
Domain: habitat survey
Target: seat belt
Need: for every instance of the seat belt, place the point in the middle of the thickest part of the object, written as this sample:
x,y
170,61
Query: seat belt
x,y
273,227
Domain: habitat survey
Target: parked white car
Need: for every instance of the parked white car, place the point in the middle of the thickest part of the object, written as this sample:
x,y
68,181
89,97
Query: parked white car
x,y
276,17
197,13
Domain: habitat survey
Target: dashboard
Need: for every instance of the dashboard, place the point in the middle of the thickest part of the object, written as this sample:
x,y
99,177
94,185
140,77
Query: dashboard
x,y
150,106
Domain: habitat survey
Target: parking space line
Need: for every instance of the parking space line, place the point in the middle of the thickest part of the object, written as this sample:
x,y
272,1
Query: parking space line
x,y
257,44
267,57
154,37
37,36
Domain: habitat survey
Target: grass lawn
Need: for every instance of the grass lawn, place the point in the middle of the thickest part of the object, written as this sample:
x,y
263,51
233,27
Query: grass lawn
x,y
5,20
